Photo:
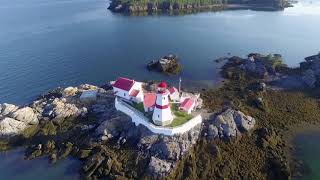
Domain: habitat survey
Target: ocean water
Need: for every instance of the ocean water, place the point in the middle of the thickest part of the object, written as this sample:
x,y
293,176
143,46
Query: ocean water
x,y
307,148
14,167
50,43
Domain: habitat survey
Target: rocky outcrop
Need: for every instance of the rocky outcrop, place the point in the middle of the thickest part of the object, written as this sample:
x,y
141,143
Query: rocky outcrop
x,y
159,167
230,123
255,65
311,71
168,64
164,151
13,120
55,106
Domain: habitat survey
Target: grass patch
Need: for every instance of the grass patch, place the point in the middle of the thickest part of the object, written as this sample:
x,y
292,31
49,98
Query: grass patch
x,y
181,117
139,107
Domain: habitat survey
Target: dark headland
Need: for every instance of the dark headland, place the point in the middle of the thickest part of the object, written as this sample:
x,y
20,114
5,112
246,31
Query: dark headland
x,y
243,135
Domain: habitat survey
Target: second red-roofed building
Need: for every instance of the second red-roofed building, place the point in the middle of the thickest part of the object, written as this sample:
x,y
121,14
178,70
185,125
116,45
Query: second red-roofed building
x,y
187,105
149,101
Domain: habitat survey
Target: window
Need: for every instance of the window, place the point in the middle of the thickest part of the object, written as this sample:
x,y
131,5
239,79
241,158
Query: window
x,y
158,116
124,94
164,98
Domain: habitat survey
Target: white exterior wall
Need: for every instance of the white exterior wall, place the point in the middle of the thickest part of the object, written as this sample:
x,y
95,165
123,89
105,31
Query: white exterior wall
x,y
138,118
192,108
162,116
175,96
126,94
121,93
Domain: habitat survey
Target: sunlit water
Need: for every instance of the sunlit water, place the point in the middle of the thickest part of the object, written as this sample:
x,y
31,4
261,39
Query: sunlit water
x,y
45,44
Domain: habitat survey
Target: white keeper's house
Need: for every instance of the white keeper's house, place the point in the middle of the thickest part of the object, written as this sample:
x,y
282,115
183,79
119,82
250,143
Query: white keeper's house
x,y
128,89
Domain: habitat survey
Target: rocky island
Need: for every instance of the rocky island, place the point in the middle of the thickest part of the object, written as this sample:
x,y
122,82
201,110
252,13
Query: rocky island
x,y
169,64
243,133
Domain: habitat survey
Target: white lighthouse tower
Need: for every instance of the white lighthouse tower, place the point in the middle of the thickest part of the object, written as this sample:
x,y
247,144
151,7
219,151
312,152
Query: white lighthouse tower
x,y
162,112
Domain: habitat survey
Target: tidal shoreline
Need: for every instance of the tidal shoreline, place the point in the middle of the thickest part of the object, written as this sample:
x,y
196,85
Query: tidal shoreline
x,y
62,124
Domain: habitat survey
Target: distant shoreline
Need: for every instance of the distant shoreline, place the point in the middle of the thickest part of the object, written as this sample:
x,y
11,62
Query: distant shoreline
x,y
117,6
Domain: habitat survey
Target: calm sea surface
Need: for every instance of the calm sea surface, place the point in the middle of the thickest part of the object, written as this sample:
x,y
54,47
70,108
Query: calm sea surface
x,y
307,149
50,43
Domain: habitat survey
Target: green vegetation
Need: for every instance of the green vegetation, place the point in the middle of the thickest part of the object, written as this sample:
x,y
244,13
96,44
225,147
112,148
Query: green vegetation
x,y
263,154
139,107
180,116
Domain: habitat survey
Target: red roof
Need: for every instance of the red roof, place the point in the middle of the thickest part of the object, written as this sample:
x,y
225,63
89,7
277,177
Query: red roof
x,y
172,90
186,104
163,85
134,93
124,83
149,99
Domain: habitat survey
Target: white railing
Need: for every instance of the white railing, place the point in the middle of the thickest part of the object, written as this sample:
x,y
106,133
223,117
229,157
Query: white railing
x,y
138,118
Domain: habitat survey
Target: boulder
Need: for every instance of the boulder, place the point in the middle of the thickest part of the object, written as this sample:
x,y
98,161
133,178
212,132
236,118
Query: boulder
x,y
167,150
159,168
26,115
225,123
70,91
88,96
11,127
212,131
309,78
59,110
230,123
244,123
86,87
6,109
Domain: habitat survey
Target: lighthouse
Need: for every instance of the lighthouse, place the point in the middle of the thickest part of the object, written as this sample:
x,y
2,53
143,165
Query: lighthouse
x,y
162,112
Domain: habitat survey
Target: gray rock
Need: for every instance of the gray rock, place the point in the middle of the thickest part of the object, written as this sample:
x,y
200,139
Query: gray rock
x,y
225,122
230,123
309,78
26,115
59,109
11,127
244,123
159,168
212,131
7,109
70,91
88,96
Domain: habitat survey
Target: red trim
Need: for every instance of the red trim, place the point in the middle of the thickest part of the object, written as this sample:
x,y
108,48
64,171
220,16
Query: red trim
x,y
162,107
163,85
